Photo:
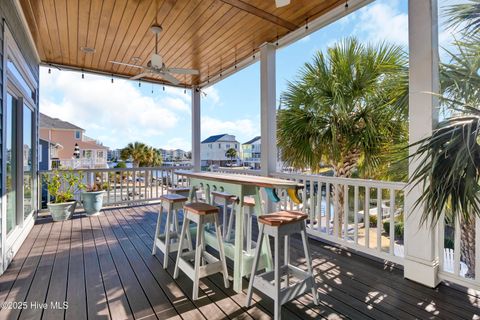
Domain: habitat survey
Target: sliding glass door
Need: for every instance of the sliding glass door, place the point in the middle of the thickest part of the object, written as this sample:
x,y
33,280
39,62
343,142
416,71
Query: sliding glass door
x,y
11,162
28,164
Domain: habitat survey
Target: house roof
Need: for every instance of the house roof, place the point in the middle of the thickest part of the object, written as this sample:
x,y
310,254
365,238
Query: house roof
x,y
253,140
55,123
214,138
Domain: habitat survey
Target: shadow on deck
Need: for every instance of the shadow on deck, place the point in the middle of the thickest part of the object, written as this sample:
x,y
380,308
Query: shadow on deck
x,y
102,268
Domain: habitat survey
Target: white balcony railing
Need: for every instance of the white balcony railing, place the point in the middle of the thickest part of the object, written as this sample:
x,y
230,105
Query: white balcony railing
x,y
125,186
458,254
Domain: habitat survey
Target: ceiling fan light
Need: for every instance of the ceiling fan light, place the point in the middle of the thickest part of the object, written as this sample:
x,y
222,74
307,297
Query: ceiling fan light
x,y
282,3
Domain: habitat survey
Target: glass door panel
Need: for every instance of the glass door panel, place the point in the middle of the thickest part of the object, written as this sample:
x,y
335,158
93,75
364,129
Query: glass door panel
x,y
27,161
11,163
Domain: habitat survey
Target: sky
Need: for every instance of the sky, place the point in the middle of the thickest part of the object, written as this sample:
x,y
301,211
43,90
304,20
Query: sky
x,y
121,112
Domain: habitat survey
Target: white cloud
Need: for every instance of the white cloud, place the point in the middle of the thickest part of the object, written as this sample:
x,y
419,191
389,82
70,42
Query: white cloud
x,y
178,143
212,96
113,113
383,21
243,129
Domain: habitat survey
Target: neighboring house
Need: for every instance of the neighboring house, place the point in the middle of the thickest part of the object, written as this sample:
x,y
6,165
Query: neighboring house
x,y
46,152
213,149
114,155
175,157
251,151
67,138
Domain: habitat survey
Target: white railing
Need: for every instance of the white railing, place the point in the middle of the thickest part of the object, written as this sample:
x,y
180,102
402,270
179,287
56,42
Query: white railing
x,y
125,185
326,199
459,256
460,264
365,215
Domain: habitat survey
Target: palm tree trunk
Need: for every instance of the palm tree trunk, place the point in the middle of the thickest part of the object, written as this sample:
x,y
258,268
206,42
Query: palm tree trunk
x,y
467,246
342,170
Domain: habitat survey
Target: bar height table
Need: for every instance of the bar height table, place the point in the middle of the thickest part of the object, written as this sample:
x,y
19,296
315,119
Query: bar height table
x,y
240,186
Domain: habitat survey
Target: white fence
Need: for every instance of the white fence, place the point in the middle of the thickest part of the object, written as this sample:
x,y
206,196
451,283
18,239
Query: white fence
x,y
124,185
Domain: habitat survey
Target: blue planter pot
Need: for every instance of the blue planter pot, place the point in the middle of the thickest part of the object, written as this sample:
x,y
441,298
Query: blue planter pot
x,y
62,211
92,202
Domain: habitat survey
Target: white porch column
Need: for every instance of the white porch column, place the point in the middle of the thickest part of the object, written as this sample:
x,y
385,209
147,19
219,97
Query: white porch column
x,y
268,160
196,161
421,260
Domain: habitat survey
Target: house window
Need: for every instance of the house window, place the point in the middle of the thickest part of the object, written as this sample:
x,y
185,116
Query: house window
x,y
77,135
219,146
228,146
210,145
87,154
100,154
235,146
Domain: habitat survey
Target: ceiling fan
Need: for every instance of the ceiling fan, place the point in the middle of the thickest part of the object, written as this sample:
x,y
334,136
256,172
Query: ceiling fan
x,y
156,67
282,3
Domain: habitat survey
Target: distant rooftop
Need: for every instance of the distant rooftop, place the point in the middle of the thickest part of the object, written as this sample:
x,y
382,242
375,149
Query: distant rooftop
x,y
214,138
253,140
55,123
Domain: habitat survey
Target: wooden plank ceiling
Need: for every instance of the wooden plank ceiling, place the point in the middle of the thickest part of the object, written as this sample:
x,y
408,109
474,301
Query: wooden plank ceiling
x,y
208,35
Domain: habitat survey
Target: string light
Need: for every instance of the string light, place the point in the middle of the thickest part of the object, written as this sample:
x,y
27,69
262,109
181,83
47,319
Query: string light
x,y
49,70
112,78
83,75
163,88
139,84
306,24
346,4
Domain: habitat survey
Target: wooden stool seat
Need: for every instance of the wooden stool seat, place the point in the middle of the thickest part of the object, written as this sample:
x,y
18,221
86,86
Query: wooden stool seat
x,y
282,217
172,198
200,208
223,195
249,202
179,190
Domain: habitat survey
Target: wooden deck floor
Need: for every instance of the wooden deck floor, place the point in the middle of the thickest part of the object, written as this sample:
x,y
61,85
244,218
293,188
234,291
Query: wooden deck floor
x,y
103,268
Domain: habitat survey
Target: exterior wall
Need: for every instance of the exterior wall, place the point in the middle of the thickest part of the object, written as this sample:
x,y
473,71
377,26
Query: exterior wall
x,y
10,18
251,154
214,152
67,139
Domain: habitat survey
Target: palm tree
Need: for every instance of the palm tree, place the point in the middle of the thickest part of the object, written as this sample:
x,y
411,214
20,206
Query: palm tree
x,y
450,166
347,109
231,154
134,151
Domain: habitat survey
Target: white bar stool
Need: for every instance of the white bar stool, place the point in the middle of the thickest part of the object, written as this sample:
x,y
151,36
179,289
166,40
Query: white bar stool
x,y
204,264
169,240
279,225
249,204
223,199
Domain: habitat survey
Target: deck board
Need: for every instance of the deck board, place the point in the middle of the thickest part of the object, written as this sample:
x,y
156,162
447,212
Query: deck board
x,y
104,268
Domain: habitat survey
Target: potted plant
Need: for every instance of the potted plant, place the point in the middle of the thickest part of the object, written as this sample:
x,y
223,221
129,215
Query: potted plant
x,y
62,187
92,199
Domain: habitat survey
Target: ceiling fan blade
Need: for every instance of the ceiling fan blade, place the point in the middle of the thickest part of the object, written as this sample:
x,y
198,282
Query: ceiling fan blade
x,y
169,78
140,75
183,71
126,64
282,3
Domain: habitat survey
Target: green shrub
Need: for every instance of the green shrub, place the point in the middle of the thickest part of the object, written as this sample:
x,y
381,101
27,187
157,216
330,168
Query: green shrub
x,y
373,221
399,228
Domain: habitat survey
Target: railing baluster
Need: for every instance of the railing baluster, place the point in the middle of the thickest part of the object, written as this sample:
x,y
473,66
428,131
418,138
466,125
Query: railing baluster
x,y
366,217
319,205
355,214
379,219
327,208
456,250
345,212
312,202
392,221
